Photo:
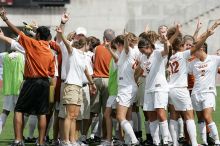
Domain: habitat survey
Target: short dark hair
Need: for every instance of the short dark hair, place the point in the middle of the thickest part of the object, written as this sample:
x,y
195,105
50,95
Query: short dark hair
x,y
44,33
93,42
109,34
119,39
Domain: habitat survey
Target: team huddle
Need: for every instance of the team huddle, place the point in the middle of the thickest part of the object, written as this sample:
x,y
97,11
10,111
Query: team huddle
x,y
76,83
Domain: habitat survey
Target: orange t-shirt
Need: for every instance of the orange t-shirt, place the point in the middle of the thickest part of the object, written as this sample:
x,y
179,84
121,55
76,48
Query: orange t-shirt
x,y
101,62
39,62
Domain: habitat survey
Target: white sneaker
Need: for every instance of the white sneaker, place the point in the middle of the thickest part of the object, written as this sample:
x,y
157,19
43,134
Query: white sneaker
x,y
1,124
63,143
75,144
106,143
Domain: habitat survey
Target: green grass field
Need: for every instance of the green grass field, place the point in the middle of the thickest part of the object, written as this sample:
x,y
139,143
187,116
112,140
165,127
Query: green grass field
x,y
7,134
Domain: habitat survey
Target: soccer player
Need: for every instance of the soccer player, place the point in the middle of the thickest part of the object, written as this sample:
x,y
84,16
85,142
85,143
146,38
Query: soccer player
x,y
204,68
127,87
156,87
179,95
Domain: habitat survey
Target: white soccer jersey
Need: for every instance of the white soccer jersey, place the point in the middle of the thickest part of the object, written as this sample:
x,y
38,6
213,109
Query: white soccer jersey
x,y
178,64
205,73
155,70
126,64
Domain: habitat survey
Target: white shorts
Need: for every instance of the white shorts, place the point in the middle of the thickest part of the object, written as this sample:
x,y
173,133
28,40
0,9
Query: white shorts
x,y
61,106
202,101
111,102
154,100
180,99
10,103
140,92
85,107
126,95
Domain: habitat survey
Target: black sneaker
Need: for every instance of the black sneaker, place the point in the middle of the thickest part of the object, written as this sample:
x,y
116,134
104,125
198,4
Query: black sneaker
x,y
17,144
91,140
182,140
210,140
30,140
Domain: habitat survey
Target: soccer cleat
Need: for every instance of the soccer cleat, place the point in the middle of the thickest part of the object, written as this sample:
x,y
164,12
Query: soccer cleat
x,y
63,143
182,140
106,143
30,140
55,142
210,140
118,143
17,143
96,139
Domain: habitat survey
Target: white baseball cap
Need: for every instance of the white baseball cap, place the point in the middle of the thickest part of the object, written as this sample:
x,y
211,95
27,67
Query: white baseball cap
x,y
81,30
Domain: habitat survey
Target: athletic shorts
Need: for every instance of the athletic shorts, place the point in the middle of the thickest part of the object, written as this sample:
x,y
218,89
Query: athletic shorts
x,y
180,99
98,101
34,97
10,102
111,102
154,100
126,95
85,107
202,101
140,92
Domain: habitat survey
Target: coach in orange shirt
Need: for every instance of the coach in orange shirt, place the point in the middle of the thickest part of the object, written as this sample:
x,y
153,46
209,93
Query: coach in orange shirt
x,y
101,62
39,66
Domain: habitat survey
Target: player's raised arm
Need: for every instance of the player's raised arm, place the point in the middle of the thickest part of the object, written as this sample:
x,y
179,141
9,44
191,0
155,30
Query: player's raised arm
x,y
6,20
64,19
177,32
65,41
203,38
198,27
167,45
114,55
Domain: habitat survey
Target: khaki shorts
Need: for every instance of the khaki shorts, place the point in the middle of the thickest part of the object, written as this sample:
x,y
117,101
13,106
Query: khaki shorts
x,y
85,107
99,100
72,94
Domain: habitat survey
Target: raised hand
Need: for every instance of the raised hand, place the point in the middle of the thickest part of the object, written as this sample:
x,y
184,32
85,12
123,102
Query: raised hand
x,y
199,24
65,17
58,30
3,14
147,28
178,28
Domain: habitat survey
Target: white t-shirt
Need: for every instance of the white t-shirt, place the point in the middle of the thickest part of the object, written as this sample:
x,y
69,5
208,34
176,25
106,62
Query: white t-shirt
x,y
89,66
16,46
137,53
64,60
155,70
205,73
76,67
126,65
178,64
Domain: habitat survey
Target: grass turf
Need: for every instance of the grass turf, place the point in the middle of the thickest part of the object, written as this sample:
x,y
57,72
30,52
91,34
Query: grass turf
x,y
7,134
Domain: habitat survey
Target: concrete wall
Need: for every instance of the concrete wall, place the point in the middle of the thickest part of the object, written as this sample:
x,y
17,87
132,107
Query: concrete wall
x,y
134,15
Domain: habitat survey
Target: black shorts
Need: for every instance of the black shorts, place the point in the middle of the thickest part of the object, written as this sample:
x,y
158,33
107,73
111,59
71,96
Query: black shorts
x,y
34,97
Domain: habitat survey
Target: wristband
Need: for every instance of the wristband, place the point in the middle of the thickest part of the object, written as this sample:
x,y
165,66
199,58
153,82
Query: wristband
x,y
62,22
5,19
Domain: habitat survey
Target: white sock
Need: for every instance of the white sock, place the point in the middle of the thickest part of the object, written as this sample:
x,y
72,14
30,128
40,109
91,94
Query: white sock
x,y
214,132
181,127
49,126
135,121
191,128
3,119
94,126
32,125
139,121
164,131
127,138
147,127
174,132
154,130
126,126
202,130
